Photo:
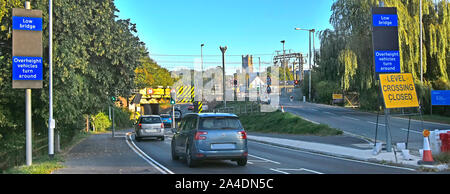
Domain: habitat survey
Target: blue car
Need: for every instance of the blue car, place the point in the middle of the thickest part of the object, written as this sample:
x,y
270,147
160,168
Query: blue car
x,y
210,136
167,120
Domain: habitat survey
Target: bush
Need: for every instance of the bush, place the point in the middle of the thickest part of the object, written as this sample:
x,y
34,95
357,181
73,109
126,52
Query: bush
x,y
101,122
368,99
122,118
325,90
284,123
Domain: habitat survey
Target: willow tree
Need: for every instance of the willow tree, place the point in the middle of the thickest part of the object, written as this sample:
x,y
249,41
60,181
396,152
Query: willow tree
x,y
347,53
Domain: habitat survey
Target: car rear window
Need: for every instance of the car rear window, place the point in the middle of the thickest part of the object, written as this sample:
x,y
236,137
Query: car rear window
x,y
150,120
220,123
165,116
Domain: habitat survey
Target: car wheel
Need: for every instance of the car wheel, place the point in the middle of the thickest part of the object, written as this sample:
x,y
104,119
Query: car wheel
x,y
162,138
189,161
174,154
138,139
242,161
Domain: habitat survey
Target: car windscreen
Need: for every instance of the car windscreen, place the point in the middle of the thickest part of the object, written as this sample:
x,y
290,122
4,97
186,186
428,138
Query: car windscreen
x,y
220,123
150,120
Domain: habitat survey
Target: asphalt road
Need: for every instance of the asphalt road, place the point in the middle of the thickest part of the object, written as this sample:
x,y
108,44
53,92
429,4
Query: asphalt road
x,y
263,159
362,123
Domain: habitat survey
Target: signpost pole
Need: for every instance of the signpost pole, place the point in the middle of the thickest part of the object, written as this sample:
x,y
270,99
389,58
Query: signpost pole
x,y
28,130
388,130
28,127
173,116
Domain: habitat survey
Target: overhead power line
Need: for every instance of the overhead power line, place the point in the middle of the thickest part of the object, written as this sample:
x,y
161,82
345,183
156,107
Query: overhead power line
x,y
180,55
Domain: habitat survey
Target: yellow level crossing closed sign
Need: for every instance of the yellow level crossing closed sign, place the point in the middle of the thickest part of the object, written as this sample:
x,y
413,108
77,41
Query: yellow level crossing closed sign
x,y
398,90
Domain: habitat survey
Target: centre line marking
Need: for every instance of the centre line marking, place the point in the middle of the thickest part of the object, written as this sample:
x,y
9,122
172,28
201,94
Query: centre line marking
x,y
376,123
410,130
351,118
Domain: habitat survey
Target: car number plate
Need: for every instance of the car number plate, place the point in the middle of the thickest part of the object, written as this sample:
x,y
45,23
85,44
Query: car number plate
x,y
223,146
150,130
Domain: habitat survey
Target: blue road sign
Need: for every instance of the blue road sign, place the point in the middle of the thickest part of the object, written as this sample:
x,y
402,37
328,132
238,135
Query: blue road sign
x,y
27,23
440,97
385,20
387,61
27,68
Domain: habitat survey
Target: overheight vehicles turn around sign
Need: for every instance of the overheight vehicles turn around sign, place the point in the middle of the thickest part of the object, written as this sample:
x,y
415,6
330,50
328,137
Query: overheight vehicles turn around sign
x,y
27,63
398,90
385,40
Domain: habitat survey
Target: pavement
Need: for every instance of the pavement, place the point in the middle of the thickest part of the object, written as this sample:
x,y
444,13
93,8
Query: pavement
x,y
102,154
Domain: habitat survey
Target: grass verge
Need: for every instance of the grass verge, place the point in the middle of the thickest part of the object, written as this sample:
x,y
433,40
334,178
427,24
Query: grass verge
x,y
431,118
284,123
442,158
43,164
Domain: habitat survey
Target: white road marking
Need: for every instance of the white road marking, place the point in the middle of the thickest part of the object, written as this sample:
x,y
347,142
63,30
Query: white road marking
x,y
351,118
147,158
329,113
267,160
299,169
279,171
412,131
335,157
376,123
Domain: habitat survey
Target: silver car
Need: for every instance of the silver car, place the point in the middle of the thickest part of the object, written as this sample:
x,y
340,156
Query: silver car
x,y
149,126
210,136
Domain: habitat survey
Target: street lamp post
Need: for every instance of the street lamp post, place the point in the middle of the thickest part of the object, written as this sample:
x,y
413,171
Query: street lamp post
x,y
421,44
201,58
284,66
310,54
51,134
223,49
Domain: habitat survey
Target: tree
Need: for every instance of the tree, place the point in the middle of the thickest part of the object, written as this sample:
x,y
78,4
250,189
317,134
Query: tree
x,y
346,53
95,55
150,74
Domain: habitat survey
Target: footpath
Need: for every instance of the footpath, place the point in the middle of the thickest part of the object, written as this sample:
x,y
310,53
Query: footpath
x,y
102,154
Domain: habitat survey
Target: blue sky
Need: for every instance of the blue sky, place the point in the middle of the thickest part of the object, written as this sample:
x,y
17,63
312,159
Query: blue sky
x,y
256,27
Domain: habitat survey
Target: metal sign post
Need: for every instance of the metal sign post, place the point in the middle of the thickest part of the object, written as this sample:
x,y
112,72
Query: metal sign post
x,y
386,50
398,91
27,61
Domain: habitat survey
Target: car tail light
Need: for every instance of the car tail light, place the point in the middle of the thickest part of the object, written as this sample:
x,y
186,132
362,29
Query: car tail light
x,y
162,125
242,135
140,125
198,135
